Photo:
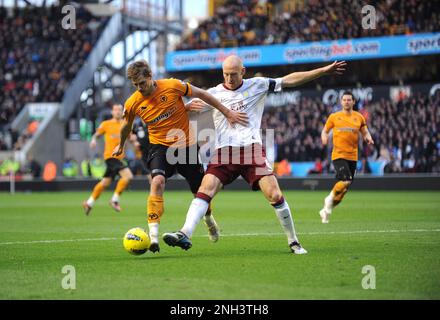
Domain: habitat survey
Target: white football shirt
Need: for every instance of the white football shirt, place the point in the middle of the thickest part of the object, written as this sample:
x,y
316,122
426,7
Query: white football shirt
x,y
249,98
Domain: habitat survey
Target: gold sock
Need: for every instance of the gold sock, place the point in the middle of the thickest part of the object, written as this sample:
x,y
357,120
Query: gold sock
x,y
154,208
122,185
339,190
97,190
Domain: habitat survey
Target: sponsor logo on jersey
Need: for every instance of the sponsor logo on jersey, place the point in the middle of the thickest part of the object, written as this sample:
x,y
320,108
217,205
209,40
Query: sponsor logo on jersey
x,y
347,129
163,116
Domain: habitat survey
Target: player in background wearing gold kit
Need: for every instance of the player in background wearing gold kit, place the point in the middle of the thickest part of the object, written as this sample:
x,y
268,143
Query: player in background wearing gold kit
x,y
159,104
116,165
346,125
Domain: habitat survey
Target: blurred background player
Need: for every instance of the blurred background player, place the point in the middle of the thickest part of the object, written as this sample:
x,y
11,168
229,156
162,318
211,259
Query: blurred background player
x,y
116,165
244,143
159,104
346,125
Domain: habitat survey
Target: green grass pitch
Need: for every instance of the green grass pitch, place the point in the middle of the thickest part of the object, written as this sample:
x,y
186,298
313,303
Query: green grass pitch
x,y
398,233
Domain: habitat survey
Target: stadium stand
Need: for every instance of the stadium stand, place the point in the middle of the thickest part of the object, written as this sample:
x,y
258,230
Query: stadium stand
x,y
247,23
405,132
34,57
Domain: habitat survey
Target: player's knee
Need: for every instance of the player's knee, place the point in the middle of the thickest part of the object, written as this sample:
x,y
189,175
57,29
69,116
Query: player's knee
x,y
105,182
129,176
209,188
157,184
275,195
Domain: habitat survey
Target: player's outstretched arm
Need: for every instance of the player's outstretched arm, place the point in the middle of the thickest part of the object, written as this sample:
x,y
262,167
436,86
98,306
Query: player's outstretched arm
x,y
195,105
93,140
366,135
232,116
125,133
324,136
298,78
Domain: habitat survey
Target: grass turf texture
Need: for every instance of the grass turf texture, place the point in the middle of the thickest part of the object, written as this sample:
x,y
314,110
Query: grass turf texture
x,y
396,232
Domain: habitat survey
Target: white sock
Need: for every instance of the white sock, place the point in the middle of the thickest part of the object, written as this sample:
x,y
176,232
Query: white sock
x,y
154,232
328,202
115,197
285,217
90,201
196,211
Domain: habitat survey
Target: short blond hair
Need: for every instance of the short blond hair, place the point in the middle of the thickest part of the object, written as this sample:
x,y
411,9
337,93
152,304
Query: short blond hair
x,y
137,69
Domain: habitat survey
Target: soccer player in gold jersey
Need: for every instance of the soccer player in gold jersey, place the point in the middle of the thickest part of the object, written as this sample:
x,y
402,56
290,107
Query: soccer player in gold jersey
x,y
346,125
116,165
159,104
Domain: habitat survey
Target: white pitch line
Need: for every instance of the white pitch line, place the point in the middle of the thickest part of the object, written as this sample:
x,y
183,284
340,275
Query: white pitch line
x,y
232,235
57,241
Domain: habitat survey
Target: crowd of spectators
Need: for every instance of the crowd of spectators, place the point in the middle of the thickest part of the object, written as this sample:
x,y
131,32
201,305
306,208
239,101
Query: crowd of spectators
x,y
406,133
249,22
38,57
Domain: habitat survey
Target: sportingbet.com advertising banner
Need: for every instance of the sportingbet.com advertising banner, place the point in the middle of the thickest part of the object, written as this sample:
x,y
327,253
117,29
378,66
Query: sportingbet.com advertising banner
x,y
324,51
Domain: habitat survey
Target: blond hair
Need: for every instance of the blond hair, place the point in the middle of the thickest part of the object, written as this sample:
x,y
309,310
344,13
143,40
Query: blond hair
x,y
137,69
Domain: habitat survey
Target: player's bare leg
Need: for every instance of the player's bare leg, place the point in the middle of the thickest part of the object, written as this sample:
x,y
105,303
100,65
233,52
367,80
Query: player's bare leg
x,y
197,210
122,184
96,193
333,199
155,210
271,190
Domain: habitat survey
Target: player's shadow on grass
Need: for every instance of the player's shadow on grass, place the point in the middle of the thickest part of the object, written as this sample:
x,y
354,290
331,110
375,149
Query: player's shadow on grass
x,y
218,254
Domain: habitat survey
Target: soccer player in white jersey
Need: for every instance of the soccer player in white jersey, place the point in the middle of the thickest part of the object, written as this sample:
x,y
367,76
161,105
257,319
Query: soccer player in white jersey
x,y
239,150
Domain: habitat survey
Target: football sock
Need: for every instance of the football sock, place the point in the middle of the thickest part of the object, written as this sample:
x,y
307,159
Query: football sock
x,y
195,213
284,215
121,186
209,211
339,191
154,232
328,201
97,190
115,197
90,201
154,211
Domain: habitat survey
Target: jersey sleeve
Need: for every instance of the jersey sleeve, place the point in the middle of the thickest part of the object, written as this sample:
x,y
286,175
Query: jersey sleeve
x,y
329,123
129,111
101,128
273,84
182,87
363,122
